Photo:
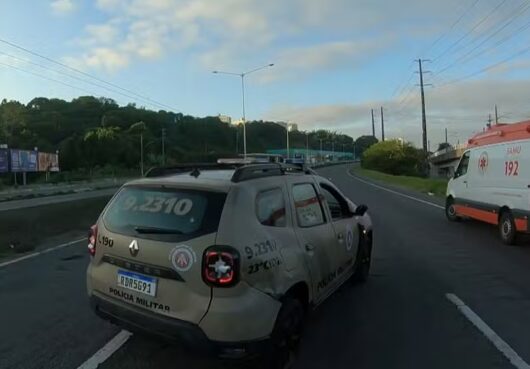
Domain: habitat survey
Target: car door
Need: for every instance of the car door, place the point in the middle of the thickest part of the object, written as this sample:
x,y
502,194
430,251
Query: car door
x,y
344,225
316,236
460,180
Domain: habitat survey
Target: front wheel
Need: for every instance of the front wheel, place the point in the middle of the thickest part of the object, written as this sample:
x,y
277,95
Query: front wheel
x,y
363,260
450,210
507,229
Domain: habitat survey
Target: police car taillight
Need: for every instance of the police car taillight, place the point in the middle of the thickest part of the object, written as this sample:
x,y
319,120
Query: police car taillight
x,y
220,266
92,239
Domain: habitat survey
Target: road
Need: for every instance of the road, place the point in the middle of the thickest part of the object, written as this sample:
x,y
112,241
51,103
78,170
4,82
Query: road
x,y
401,318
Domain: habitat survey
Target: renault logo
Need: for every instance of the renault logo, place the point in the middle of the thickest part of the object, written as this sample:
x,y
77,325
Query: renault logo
x,y
133,248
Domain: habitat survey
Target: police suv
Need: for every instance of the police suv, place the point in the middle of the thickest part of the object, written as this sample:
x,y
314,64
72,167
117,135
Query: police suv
x,y
226,258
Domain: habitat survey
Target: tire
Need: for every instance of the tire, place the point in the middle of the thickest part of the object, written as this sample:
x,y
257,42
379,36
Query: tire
x,y
507,229
286,335
450,211
363,260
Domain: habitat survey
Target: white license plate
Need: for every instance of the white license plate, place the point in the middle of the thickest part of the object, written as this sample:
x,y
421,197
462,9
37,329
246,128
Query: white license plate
x,y
137,282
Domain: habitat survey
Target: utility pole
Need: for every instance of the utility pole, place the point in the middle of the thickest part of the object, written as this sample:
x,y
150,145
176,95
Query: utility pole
x,y
373,123
496,115
320,149
423,116
445,134
382,125
163,146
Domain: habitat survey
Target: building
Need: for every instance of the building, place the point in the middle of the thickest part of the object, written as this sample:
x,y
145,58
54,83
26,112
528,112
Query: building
x,y
225,118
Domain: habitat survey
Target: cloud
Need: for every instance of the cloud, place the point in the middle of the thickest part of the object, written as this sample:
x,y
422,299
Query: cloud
x,y
100,58
298,62
61,7
240,30
463,109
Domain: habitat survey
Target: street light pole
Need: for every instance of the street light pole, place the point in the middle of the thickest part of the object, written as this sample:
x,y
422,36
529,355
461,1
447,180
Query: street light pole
x,y
242,75
287,130
307,147
142,153
163,146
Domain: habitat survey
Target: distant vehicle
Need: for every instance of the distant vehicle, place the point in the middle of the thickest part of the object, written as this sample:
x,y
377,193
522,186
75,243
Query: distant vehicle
x,y
297,159
227,260
492,180
266,158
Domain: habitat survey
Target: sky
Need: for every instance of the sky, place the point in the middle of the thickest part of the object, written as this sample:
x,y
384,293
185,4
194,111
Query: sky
x,y
334,60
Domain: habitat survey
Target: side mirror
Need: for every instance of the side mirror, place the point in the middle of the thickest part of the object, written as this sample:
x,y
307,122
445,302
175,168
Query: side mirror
x,y
360,210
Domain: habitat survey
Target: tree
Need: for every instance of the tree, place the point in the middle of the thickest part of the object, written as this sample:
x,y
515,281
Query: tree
x,y
393,157
363,143
94,132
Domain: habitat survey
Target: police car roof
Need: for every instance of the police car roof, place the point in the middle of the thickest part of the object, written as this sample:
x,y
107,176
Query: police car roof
x,y
220,179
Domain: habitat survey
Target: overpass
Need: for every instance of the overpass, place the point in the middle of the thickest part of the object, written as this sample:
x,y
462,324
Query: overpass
x,y
444,162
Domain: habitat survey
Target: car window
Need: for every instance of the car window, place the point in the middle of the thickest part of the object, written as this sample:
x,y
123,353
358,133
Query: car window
x,y
270,208
336,204
181,214
462,167
308,208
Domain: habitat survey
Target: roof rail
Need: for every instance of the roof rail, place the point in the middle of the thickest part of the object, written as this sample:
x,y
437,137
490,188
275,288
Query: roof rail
x,y
254,171
188,167
243,171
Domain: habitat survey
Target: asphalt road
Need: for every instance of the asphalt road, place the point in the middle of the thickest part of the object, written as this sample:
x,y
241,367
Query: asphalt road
x,y
400,318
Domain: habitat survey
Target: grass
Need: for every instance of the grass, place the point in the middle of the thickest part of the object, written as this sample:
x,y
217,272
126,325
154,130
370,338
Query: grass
x,y
425,185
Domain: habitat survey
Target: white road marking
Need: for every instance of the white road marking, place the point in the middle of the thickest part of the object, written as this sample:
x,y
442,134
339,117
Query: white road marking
x,y
106,351
396,192
497,341
29,256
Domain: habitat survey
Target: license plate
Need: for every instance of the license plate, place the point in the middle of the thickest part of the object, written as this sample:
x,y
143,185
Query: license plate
x,y
137,282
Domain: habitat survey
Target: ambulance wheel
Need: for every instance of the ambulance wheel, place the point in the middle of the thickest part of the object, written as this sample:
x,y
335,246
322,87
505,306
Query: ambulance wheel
x,y
450,211
507,228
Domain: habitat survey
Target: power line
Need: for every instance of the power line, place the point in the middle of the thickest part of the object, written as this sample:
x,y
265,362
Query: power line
x,y
81,72
47,78
453,25
66,74
466,57
469,32
521,52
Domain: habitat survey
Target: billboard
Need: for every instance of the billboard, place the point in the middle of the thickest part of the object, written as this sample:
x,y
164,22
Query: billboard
x,y
23,160
48,162
4,161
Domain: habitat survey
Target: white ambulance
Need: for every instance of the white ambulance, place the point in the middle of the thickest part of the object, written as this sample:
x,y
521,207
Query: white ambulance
x,y
492,181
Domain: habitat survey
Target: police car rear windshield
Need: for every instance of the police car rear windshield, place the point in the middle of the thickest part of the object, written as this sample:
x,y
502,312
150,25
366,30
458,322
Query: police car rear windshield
x,y
164,214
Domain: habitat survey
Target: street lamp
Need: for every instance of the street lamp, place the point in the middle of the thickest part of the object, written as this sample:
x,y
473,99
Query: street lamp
x,y
242,75
287,129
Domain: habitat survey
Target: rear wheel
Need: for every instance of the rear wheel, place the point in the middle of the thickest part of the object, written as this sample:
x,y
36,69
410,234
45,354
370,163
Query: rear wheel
x,y
450,210
507,228
286,334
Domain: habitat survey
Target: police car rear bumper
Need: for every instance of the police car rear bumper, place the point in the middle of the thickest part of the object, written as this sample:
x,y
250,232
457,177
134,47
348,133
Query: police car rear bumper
x,y
185,333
